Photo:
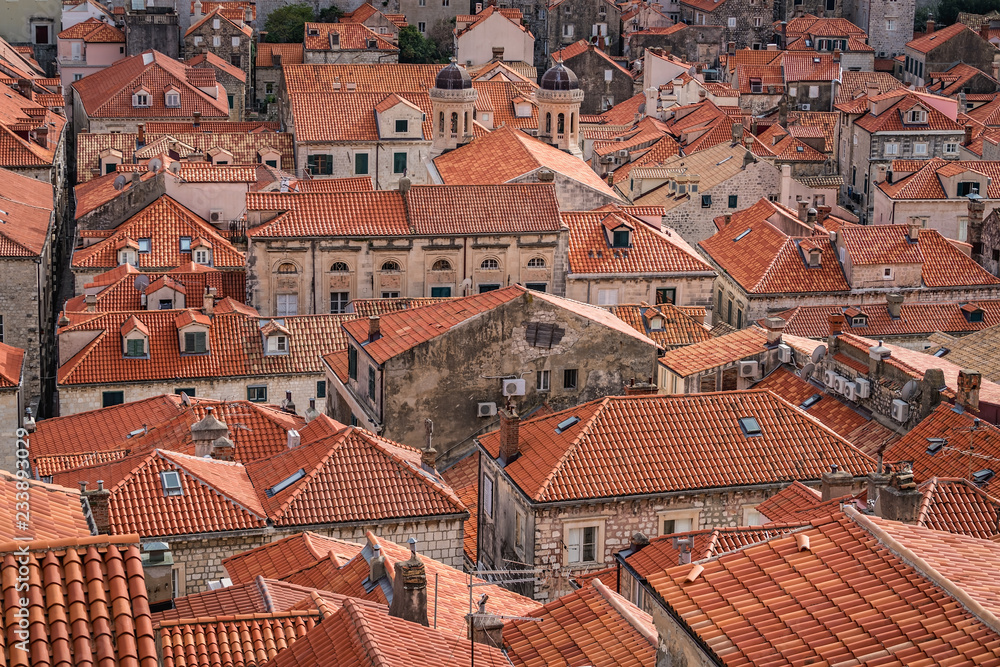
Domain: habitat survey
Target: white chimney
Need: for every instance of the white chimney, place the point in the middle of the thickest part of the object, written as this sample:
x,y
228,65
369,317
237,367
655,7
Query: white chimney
x,y
294,439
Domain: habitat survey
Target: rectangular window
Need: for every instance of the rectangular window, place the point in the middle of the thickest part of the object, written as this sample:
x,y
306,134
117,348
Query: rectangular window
x,y
706,201
399,163
569,378
320,165
269,87
519,529
489,287
732,21
287,304
951,148
677,525
402,125
890,24
257,393
536,287
166,304
236,44
607,297
110,398
440,292
966,188
194,342
813,92
581,544
666,295
185,244
542,380
390,295
920,149
733,200
352,363
339,301
371,382
135,347
421,26
320,388
488,496
189,391
145,245
892,149
361,164
42,33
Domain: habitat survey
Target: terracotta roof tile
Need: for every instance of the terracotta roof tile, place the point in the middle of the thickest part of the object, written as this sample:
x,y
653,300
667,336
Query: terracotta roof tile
x,y
577,463
11,366
891,119
369,307
677,327
787,503
94,31
353,36
26,215
118,292
854,83
463,477
232,9
291,54
925,43
19,116
926,183
286,555
234,19
233,640
56,512
260,595
810,67
914,318
212,60
715,352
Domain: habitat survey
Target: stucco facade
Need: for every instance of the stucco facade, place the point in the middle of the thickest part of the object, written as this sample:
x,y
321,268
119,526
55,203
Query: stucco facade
x,y
78,59
475,45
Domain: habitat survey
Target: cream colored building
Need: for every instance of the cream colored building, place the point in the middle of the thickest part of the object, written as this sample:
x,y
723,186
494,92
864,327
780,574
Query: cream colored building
x,y
478,36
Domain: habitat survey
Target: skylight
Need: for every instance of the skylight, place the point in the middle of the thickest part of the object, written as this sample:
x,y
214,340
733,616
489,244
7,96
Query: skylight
x,y
171,480
943,351
811,401
750,427
936,445
285,483
567,424
980,477
742,235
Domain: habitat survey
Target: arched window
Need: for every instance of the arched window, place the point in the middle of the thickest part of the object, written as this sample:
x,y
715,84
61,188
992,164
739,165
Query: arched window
x,y
286,268
441,122
536,263
489,265
454,123
572,122
339,267
391,265
560,123
441,265
548,123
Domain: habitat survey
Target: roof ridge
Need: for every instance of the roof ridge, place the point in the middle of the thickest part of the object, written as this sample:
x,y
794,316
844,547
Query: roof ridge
x,y
256,616
616,601
571,449
929,572
310,476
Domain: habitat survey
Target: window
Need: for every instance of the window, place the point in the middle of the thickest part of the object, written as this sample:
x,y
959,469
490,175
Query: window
x,y
490,265
390,265
171,481
487,287
287,304
216,41
185,244
352,363
257,393
542,380
197,40
361,164
287,268
110,398
666,295
140,99
440,292
733,201
173,99
706,201
339,301
144,245
567,28
536,263
399,163
402,125
793,91
320,165
390,294
441,265
751,517
166,304
892,149
890,24
620,238
195,342
201,256
757,21
269,88
42,32
678,522
536,287
916,116
920,149
488,496
135,347
607,297
236,44
887,273
581,544
519,529
951,148
859,321
813,92
608,75
750,427
320,388
732,21
966,188
278,344
285,483
371,382
339,267
421,26
569,378
739,318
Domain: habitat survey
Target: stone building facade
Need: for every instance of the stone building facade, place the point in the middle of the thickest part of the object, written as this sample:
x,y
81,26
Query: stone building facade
x,y
956,44
152,29
604,83
229,40
984,235
695,44
568,21
889,23
786,10
748,24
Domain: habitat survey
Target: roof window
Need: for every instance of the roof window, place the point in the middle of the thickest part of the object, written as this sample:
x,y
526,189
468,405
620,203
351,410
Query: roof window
x,y
940,353
936,445
811,401
750,427
742,235
566,424
981,477
171,480
285,483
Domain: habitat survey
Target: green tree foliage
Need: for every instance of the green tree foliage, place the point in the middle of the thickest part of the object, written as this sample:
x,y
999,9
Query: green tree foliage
x,y
287,24
329,14
947,11
415,48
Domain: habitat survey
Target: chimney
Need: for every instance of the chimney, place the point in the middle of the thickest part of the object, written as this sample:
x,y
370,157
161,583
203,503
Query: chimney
x,y
404,185
510,425
197,9
836,322
208,301
311,411
428,455
899,500
288,405
223,449
196,118
276,59
877,354
975,217
98,500
821,213
774,327
913,231
135,178
546,176
294,439
640,388
205,432
968,135
683,546
748,158
409,589
929,26
984,30
24,87
484,627
637,541
374,328
140,139
498,53
737,130
836,55
811,217
91,302
894,302
42,135
969,382
376,566
836,483
728,217
876,482
871,89
802,206
930,395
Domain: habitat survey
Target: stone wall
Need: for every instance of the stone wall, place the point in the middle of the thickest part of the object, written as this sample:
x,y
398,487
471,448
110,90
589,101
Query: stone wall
x,y
137,197
695,44
380,160
599,93
11,418
753,21
23,313
582,15
691,290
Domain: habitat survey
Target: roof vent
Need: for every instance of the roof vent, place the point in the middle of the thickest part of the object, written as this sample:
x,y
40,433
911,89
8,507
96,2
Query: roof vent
x,y
566,424
981,477
936,445
285,483
802,541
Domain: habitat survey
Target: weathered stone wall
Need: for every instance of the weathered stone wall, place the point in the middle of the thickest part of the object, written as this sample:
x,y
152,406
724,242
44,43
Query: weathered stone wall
x,y
582,15
11,413
691,291
137,197
350,56
22,312
592,71
754,21
695,44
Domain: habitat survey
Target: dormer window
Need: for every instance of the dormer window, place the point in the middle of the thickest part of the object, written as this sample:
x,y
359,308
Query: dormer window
x,y
656,323
402,126
172,99
313,31
135,339
128,256
201,252
756,85
972,313
195,342
966,188
620,238
140,98
916,116
192,330
859,321
276,338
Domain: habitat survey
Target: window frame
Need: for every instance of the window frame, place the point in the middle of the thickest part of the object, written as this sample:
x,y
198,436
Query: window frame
x,y
571,378
487,498
257,393
108,398
598,524
689,514
543,380
342,300
195,337
352,363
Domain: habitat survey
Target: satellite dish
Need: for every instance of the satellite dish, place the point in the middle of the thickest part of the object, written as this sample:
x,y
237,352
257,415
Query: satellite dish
x,y
807,371
909,390
141,283
175,167
154,165
818,354
120,181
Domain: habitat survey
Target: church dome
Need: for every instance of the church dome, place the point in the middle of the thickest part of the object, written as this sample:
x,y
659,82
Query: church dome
x,y
559,77
453,77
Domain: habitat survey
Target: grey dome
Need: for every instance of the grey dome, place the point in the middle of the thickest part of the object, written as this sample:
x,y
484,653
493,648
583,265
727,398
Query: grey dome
x,y
559,77
453,77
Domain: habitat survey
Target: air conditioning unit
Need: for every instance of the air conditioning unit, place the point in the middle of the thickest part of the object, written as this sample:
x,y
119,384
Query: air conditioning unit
x,y
623,153
513,387
851,391
900,410
829,377
864,388
487,409
784,353
839,382
748,369
215,216
805,107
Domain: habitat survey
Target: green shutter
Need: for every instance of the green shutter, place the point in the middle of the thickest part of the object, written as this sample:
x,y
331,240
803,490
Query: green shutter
x,y
321,389
398,163
371,382
352,363
361,164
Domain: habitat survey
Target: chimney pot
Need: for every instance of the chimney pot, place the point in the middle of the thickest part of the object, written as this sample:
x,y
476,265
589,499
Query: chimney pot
x,y
836,483
83,487
206,431
223,449
968,132
894,303
913,231
774,327
409,589
374,328
294,439
484,627
510,426
836,322
288,405
899,500
404,185
930,26
969,383
311,412
98,501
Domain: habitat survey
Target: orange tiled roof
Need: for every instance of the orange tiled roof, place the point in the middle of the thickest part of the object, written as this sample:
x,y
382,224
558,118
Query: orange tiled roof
x,y
350,184
108,92
810,67
11,365
914,318
286,555
234,19
243,639
678,327
94,31
88,600
588,459
847,570
592,626
291,54
506,154
20,116
925,43
235,10
463,477
787,503
25,215
260,595
891,119
117,290
353,36
854,83
56,513
212,60
926,183
163,222
715,352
